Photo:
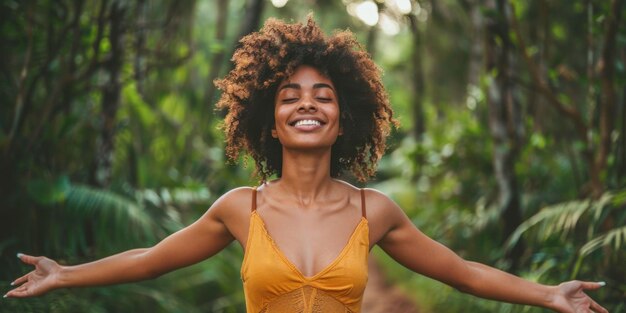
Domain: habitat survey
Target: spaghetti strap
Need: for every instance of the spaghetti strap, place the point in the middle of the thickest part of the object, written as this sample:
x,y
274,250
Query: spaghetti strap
x,y
253,199
363,203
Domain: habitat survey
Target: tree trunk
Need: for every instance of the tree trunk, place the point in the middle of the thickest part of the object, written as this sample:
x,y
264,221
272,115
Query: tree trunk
x,y
254,10
250,23
608,99
372,36
370,42
540,30
419,126
595,155
620,150
504,123
110,98
217,59
140,47
476,51
139,69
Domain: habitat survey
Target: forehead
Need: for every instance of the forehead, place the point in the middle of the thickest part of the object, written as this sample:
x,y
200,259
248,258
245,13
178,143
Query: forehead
x,y
306,75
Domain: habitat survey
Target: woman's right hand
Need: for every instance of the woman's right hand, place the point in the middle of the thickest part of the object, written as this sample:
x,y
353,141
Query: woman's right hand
x,y
39,281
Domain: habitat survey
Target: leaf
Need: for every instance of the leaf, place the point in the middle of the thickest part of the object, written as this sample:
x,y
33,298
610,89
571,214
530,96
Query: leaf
x,y
619,198
48,192
555,219
615,237
104,204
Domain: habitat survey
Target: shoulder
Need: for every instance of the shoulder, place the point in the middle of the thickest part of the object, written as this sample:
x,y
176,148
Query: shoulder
x,y
235,201
374,199
383,214
379,205
377,198
237,195
232,210
355,193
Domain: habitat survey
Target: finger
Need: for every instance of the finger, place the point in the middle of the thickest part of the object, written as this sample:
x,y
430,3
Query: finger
x,y
28,259
587,285
18,293
597,308
12,293
20,280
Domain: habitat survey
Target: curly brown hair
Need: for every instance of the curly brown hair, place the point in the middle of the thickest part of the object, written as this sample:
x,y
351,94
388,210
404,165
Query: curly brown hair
x,y
265,58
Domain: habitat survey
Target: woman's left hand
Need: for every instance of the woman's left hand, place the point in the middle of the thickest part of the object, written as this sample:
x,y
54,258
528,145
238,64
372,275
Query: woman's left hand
x,y
571,298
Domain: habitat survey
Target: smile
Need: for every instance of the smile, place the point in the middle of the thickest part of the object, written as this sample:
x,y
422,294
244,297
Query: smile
x,y
307,123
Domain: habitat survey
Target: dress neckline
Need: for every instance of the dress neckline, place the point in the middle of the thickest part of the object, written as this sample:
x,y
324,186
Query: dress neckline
x,y
362,224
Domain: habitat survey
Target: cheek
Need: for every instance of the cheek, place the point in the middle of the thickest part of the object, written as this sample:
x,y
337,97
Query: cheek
x,y
335,115
280,120
338,117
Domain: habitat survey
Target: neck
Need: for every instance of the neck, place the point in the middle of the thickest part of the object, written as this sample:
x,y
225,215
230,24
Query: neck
x,y
306,175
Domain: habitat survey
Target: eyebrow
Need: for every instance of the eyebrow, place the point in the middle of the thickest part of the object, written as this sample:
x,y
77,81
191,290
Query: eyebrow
x,y
315,86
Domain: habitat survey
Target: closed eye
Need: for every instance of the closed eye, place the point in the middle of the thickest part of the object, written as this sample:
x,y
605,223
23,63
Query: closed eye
x,y
324,99
290,100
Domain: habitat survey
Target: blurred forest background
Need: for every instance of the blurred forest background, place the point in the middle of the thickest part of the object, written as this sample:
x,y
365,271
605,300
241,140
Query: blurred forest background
x,y
512,149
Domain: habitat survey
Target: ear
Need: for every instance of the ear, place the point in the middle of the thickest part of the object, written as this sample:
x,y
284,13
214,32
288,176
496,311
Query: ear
x,y
340,130
274,133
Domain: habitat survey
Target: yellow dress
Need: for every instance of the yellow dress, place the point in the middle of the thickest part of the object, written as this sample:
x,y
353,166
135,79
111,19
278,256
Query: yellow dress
x,y
273,284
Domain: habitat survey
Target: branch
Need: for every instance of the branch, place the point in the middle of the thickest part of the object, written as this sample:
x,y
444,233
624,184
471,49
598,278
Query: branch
x,y
19,99
571,112
68,73
47,110
54,46
217,58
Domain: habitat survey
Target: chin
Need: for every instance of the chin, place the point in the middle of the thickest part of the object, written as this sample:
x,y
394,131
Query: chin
x,y
308,146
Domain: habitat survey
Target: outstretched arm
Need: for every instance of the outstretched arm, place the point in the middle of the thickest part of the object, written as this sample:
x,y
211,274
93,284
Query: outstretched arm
x,y
416,251
200,240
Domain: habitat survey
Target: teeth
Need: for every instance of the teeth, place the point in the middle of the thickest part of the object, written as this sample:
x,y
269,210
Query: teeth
x,y
307,123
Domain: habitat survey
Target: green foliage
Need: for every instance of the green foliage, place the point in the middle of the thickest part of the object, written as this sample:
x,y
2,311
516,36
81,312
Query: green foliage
x,y
166,162
560,219
613,239
452,198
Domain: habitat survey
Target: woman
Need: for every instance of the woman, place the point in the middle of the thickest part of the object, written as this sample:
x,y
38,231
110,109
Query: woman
x,y
306,108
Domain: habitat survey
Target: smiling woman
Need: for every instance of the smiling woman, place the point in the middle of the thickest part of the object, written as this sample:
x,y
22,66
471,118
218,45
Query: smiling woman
x,y
306,107
262,63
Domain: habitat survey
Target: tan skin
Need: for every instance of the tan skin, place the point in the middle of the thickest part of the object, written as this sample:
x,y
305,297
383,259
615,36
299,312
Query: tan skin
x,y
294,209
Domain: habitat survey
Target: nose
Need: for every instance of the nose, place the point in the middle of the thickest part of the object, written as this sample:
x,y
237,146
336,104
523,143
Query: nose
x,y
307,105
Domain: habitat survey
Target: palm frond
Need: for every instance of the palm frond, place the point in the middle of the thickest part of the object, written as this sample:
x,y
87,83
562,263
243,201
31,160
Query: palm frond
x,y
559,218
185,196
615,237
113,220
106,204
620,197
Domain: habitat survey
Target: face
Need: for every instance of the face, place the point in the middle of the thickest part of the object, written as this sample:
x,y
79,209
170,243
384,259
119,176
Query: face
x,y
306,111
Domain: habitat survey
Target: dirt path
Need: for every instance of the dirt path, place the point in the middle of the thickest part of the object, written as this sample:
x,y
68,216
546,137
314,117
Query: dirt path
x,y
380,296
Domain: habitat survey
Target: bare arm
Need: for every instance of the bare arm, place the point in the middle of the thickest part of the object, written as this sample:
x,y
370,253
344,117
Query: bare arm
x,y
416,251
200,240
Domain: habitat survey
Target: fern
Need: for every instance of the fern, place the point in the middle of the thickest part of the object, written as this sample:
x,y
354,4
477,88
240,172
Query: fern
x,y
108,207
615,237
556,219
560,219
103,203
